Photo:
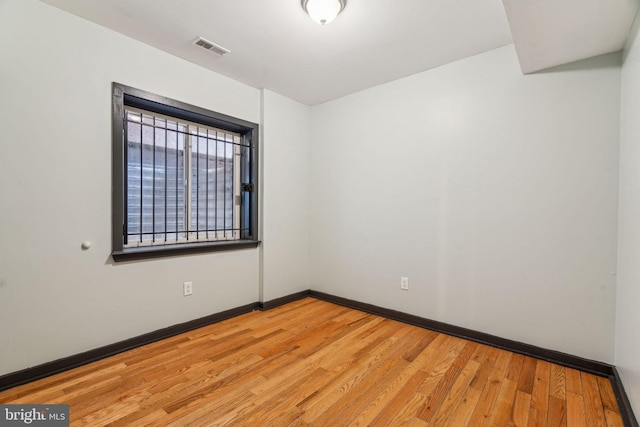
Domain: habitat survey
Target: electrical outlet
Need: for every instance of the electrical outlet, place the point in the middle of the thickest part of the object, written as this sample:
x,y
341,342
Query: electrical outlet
x,y
404,283
187,288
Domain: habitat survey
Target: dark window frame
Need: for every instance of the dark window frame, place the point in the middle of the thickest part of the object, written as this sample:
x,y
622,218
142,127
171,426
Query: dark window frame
x,y
123,96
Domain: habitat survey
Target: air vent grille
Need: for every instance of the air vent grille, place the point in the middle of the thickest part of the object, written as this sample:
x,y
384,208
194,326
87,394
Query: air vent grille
x,y
210,46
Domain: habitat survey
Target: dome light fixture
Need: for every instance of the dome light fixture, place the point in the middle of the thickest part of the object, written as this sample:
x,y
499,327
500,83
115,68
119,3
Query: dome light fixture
x,y
323,11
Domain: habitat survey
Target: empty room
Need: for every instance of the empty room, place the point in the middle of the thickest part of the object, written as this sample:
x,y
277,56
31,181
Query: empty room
x,y
320,212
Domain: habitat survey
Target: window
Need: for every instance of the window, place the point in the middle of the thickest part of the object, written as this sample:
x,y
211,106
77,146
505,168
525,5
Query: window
x,y
184,178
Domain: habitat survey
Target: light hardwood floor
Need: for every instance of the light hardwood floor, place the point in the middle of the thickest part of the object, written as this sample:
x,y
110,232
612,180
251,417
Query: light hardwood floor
x,y
311,362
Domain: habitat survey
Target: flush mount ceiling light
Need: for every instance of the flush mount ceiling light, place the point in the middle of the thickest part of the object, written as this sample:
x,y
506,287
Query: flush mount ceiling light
x,y
323,11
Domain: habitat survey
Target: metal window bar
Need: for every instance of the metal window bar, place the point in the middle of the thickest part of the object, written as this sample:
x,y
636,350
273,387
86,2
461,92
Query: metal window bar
x,y
187,186
197,184
141,182
224,199
166,141
125,157
189,229
206,204
177,184
215,165
153,188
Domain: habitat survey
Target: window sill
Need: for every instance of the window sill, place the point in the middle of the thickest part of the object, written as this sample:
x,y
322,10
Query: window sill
x,y
150,252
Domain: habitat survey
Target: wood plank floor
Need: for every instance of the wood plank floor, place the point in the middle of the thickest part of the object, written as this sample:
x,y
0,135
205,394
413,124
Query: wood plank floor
x,y
315,363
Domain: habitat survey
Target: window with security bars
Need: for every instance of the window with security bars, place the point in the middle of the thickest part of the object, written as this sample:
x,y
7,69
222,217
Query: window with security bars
x,y
183,181
187,178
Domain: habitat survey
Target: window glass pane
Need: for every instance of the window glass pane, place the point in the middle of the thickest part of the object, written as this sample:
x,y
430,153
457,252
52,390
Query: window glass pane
x,y
175,185
146,194
228,183
199,183
133,176
155,179
212,178
157,208
223,165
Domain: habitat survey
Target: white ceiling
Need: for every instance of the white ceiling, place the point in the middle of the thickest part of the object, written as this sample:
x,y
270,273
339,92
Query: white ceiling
x,y
275,45
547,33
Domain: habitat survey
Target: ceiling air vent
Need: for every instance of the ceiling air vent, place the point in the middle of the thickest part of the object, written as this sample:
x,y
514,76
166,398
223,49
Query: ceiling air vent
x,y
210,46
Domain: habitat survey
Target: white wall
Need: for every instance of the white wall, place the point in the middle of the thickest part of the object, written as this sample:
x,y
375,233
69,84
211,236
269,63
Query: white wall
x,y
55,165
628,315
494,192
285,196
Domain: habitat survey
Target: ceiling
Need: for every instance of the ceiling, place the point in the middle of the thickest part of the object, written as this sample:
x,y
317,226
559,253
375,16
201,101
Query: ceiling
x,y
547,33
275,45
